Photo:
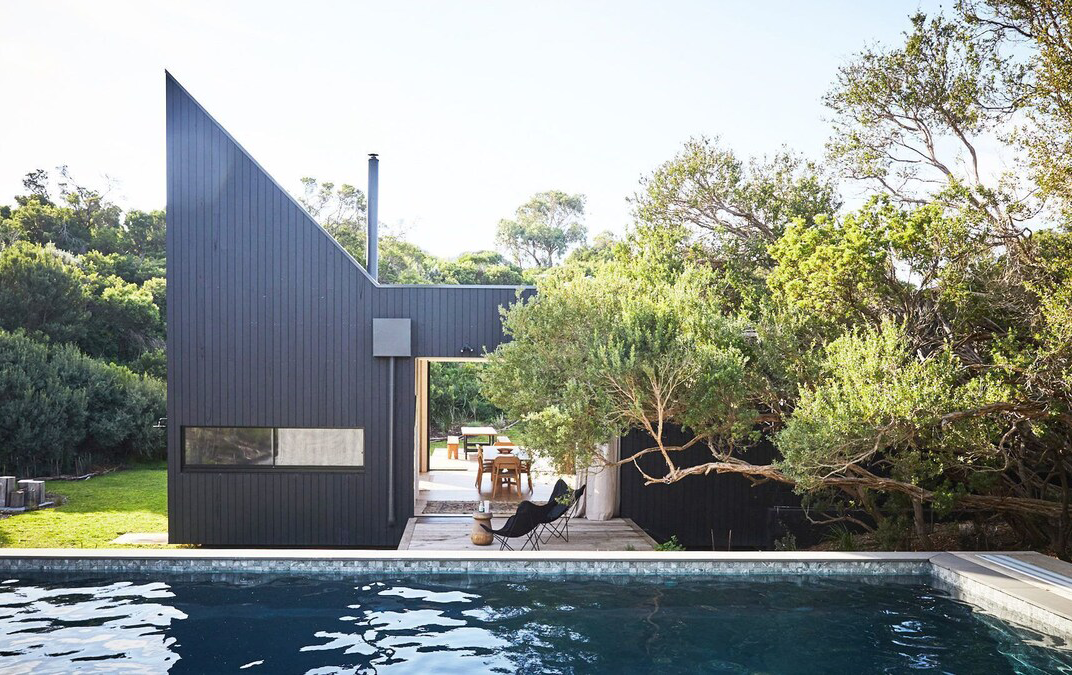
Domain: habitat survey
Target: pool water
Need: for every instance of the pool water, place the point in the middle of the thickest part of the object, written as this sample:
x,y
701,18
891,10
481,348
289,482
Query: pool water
x,y
484,624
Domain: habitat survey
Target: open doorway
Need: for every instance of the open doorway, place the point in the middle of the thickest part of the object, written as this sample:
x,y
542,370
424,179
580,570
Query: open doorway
x,y
464,444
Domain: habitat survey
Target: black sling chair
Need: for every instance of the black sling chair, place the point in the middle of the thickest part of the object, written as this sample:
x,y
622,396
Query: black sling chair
x,y
524,523
558,510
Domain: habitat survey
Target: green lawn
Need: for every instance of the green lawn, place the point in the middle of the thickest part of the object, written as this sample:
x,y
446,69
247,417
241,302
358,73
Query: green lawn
x,y
97,511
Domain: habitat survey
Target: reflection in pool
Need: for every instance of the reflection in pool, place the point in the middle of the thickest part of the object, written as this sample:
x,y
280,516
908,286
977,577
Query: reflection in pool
x,y
486,624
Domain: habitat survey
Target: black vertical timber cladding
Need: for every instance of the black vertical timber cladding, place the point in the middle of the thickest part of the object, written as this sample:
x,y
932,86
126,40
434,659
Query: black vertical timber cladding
x,y
270,324
701,511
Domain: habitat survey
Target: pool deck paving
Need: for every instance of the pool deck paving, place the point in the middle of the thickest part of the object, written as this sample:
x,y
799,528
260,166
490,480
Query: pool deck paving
x,y
1024,587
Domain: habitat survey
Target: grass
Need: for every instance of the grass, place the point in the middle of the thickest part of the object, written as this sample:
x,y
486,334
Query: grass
x,y
97,510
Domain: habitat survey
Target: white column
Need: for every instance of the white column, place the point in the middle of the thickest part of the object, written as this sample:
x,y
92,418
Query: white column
x,y
601,495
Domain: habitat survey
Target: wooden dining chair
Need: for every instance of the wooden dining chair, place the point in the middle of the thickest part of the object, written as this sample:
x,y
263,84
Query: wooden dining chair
x,y
506,473
482,465
526,468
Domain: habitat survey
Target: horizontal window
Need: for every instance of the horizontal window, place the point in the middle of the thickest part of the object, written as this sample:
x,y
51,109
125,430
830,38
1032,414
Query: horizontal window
x,y
319,447
228,446
268,447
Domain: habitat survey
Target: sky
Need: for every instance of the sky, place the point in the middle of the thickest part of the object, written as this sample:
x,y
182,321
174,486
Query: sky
x,y
472,106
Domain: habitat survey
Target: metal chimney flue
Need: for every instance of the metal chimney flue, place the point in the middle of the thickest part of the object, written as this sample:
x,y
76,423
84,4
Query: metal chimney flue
x,y
372,243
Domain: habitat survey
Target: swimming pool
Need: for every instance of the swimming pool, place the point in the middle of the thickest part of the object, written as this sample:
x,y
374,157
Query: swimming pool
x,y
471,623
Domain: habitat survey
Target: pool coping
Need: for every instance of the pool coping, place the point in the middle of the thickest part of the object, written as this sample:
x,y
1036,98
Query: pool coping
x,y
1001,591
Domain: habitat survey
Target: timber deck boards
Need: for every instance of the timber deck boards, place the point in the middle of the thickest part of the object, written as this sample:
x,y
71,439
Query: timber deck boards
x,y
451,533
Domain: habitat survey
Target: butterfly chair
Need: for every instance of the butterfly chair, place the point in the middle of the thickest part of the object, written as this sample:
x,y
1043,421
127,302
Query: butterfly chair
x,y
558,511
525,523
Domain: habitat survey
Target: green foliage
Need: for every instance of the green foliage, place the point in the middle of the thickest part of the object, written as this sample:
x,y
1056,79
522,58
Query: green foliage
x,y
671,544
893,534
331,206
62,411
41,292
544,228
842,538
908,119
1041,32
604,249
884,260
638,344
786,543
480,267
880,404
152,363
832,270
738,207
123,321
70,221
708,187
44,292
455,397
128,267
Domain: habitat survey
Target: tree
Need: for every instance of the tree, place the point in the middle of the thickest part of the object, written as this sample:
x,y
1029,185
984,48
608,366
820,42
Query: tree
x,y
909,120
41,292
455,397
346,205
940,379
123,320
70,223
1044,29
639,344
63,411
737,207
480,267
706,186
543,228
600,251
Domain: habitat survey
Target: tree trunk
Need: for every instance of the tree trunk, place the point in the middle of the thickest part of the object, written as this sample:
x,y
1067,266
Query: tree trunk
x,y
921,525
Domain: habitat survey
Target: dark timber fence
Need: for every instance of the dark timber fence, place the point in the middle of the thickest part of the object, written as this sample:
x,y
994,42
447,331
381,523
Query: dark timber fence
x,y
708,512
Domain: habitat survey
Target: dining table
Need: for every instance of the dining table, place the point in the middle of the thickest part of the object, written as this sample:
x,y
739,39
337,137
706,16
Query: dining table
x,y
476,433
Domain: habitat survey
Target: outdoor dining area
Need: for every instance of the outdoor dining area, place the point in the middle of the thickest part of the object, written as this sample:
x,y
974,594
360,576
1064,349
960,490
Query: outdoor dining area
x,y
485,490
501,459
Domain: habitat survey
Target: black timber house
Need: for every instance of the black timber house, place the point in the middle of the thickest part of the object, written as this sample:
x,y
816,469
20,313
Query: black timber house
x,y
293,374
279,418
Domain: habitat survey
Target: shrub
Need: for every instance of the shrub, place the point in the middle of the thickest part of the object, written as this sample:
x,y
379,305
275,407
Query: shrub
x,y
786,543
842,538
61,410
671,544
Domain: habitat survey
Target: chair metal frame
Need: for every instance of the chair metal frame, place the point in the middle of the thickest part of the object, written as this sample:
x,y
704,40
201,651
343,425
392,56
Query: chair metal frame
x,y
558,525
525,522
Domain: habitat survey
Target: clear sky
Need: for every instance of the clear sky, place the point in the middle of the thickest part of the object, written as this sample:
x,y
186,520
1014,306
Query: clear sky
x,y
473,106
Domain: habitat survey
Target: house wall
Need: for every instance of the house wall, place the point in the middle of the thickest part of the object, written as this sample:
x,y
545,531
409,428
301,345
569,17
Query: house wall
x,y
702,511
270,324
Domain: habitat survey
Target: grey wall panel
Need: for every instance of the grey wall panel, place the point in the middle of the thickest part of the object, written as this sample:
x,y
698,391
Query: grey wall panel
x,y
270,324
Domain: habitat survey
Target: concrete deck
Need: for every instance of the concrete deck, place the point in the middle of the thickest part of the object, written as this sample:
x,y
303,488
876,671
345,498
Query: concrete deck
x,y
451,533
1028,588
142,539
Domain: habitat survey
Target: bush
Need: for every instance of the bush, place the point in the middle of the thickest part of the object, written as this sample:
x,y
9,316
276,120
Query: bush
x,y
41,292
62,411
44,292
455,397
671,544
